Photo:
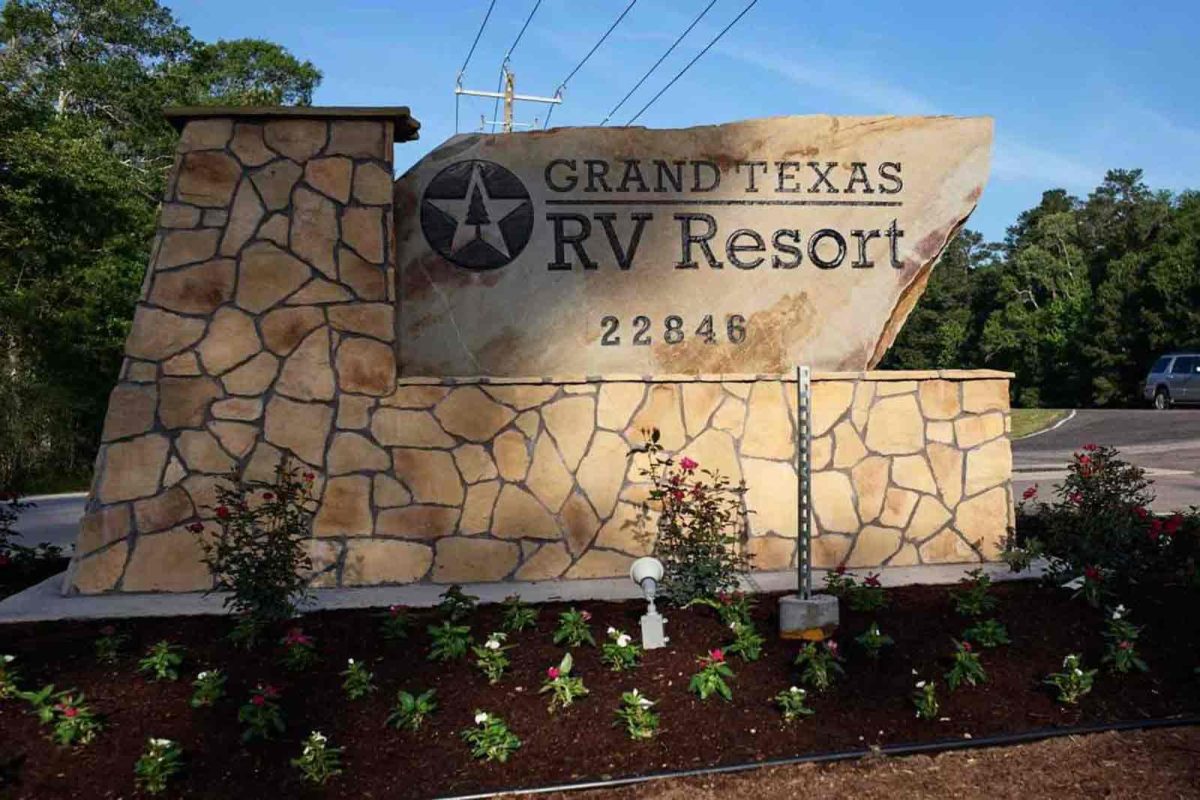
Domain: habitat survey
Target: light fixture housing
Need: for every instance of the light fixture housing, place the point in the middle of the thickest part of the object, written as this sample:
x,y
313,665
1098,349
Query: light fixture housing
x,y
647,573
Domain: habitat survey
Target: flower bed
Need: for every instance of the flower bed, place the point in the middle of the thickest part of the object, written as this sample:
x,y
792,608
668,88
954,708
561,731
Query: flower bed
x,y
872,702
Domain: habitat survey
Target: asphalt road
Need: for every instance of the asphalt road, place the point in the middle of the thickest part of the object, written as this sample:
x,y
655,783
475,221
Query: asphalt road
x,y
53,519
1164,443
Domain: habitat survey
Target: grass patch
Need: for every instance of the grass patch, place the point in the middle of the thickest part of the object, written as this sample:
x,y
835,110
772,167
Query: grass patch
x,y
1031,420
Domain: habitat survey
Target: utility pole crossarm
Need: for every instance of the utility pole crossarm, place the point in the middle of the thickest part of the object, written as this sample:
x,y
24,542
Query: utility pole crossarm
x,y
509,96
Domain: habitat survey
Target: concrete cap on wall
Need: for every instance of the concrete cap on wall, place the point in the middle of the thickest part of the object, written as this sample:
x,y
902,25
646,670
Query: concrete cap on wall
x,y
406,126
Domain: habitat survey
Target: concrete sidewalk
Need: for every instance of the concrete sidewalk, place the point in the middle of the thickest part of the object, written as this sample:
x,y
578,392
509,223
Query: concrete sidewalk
x,y
45,602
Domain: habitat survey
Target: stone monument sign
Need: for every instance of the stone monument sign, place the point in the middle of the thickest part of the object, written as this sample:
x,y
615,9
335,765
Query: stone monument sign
x,y
463,358
747,247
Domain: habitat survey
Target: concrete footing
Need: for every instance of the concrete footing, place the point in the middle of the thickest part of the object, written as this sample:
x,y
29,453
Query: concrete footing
x,y
813,618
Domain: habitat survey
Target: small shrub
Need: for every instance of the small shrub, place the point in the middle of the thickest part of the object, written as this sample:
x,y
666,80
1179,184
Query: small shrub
x,y
1099,521
636,715
41,702
819,664
411,711
208,688
747,641
450,641
394,623
794,704
258,553
74,722
456,606
972,599
318,762
262,715
492,658
9,677
160,761
987,633
868,596
162,662
517,615
730,606
839,582
710,678
925,699
490,739
873,640
564,689
619,653
109,645
573,629
700,526
357,680
299,650
1073,682
1120,643
966,667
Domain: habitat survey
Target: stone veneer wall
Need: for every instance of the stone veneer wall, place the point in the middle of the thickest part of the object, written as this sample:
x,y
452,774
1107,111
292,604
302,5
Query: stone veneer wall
x,y
266,327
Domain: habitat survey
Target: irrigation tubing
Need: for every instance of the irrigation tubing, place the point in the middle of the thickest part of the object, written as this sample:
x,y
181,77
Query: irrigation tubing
x,y
938,746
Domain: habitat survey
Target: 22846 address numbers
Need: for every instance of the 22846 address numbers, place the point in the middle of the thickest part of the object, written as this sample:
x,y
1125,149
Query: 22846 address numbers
x,y
674,331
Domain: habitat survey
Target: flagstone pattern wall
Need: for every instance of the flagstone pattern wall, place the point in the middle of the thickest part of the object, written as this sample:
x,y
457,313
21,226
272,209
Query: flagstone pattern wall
x,y
266,328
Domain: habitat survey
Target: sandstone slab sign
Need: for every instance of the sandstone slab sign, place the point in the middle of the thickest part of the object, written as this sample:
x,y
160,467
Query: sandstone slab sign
x,y
748,247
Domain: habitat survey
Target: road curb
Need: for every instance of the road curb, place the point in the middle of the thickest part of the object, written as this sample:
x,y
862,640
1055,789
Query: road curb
x,y
1053,427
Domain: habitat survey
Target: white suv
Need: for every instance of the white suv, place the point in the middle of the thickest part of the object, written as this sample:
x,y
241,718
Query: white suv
x,y
1174,378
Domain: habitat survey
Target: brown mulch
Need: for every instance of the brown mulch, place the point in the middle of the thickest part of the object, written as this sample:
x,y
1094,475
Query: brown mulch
x,y
870,705
1134,765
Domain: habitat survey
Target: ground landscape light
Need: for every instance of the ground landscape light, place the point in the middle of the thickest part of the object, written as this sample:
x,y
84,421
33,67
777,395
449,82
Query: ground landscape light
x,y
647,572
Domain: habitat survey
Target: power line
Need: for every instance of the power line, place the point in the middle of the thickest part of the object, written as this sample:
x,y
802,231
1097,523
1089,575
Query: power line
x,y
462,70
661,59
690,63
558,92
504,63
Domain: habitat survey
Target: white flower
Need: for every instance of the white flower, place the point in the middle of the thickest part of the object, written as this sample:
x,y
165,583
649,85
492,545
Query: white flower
x,y
1119,612
1067,661
493,644
796,690
161,743
612,631
201,675
1078,671
622,640
7,659
914,672
733,626
350,662
920,684
481,718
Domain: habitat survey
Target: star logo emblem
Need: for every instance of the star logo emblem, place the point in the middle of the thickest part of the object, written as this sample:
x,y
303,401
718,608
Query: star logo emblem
x,y
477,214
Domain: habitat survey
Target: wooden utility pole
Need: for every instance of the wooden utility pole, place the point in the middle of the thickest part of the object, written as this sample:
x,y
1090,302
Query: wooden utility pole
x,y
510,97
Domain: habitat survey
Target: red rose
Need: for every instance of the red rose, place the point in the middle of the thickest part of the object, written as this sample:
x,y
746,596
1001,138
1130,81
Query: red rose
x,y
1030,493
1084,460
1075,498
268,496
1091,448
840,569
258,700
966,647
1173,524
196,527
1125,645
687,464
677,495
1092,573
871,580
222,512
716,655
1140,512
309,477
70,713
552,673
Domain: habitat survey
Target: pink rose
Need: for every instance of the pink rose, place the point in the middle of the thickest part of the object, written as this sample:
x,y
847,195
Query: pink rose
x,y
687,464
716,655
552,673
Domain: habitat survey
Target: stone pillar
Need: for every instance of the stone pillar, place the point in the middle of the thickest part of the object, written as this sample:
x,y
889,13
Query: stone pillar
x,y
267,311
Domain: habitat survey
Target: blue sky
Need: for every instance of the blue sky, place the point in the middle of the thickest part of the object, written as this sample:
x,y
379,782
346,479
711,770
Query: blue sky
x,y
1075,88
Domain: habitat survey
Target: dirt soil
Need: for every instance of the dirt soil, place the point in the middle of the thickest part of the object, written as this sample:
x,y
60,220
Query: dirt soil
x,y
870,704
1138,766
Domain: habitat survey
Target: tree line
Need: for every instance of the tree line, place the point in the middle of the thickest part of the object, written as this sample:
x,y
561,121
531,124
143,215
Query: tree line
x,y
1078,300
84,154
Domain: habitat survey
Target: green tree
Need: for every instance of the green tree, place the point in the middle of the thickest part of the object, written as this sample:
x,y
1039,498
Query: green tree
x,y
84,153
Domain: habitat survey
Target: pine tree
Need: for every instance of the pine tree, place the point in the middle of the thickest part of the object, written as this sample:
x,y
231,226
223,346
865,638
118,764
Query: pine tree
x,y
477,214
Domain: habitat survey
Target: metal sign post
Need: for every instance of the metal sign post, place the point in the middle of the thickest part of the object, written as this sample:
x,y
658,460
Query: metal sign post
x,y
804,476
801,615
